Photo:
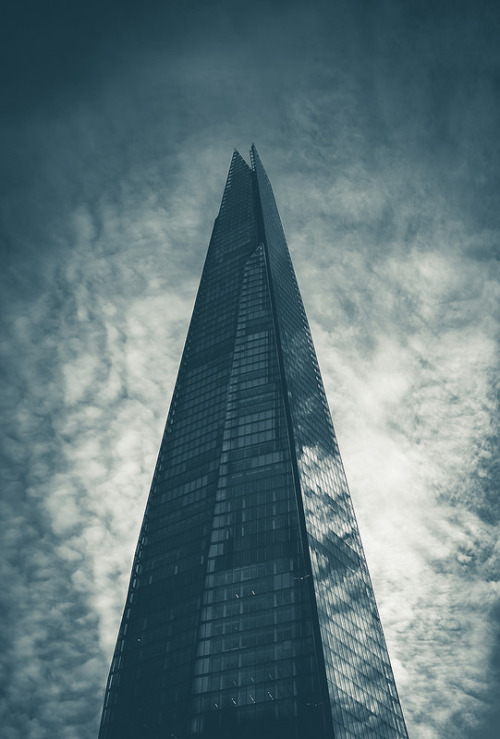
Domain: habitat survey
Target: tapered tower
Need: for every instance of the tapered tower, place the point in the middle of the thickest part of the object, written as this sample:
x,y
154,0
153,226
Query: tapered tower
x,y
250,612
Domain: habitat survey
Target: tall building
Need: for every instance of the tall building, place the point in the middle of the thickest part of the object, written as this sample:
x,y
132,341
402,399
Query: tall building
x,y
250,612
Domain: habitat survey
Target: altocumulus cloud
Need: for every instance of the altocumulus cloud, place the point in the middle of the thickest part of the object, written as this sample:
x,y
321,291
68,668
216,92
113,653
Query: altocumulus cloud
x,y
421,366
86,401
379,132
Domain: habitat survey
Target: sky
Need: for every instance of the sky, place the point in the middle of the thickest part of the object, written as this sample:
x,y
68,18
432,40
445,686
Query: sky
x,y
378,125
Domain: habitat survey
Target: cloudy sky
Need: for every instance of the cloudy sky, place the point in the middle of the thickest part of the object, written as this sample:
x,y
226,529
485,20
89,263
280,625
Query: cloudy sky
x,y
378,124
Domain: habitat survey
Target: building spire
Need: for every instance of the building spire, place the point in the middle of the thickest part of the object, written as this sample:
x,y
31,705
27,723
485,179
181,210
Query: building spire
x,y
250,611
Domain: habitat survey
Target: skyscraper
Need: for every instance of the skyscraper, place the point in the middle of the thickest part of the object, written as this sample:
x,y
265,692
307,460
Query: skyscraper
x,y
250,612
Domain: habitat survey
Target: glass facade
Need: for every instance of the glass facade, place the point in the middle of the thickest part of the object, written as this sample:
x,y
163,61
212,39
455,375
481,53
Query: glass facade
x,y
250,611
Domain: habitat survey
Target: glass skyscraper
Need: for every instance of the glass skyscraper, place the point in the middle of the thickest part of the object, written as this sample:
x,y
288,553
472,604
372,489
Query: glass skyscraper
x,y
250,612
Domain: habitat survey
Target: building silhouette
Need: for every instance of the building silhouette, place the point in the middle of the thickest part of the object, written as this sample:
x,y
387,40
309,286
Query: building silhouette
x,y
250,612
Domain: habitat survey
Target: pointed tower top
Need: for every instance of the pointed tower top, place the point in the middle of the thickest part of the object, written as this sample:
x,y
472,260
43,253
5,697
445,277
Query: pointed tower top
x,y
238,170
253,155
237,159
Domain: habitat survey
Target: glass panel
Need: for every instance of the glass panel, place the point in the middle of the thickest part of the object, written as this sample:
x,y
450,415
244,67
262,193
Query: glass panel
x,y
360,680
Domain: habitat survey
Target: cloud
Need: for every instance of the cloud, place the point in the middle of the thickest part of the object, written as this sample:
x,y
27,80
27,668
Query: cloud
x,y
379,133
414,418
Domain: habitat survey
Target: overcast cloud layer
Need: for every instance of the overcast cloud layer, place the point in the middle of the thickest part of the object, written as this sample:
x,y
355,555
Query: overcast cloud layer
x,y
378,125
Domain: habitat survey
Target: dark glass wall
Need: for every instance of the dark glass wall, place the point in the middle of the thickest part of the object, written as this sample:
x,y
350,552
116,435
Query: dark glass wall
x,y
150,686
250,611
